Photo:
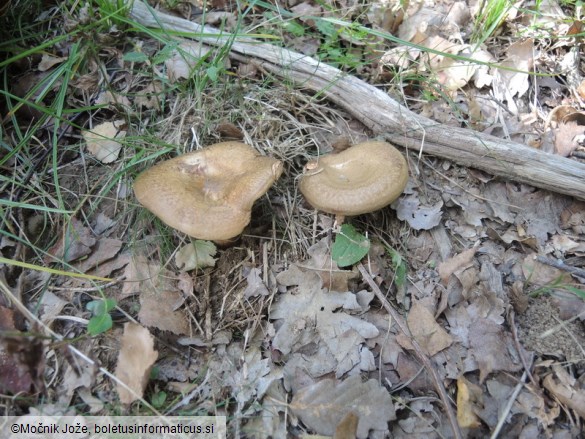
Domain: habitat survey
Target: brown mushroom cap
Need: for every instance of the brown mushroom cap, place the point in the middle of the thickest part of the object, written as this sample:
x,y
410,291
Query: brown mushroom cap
x,y
361,179
208,194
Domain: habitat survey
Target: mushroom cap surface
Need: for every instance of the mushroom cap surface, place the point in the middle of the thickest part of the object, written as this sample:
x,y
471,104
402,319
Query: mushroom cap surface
x,y
360,179
209,193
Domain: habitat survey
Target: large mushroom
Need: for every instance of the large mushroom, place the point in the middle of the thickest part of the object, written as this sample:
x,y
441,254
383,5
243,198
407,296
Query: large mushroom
x,y
360,179
208,194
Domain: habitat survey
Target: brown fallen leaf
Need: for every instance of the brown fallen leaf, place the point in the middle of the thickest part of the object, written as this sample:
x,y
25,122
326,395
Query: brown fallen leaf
x,y
491,347
149,97
105,249
462,260
322,406
347,428
159,310
184,59
539,274
75,241
49,61
334,278
573,216
142,275
426,331
136,357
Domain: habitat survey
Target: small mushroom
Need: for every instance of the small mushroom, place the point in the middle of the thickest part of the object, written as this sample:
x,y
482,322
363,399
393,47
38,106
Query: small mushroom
x,y
208,194
361,179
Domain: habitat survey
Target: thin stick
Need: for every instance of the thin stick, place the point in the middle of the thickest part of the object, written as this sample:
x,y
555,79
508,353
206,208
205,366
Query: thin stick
x,y
558,263
509,405
417,349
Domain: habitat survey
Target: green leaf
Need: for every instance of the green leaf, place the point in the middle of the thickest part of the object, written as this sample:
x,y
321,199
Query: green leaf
x,y
576,291
349,247
135,57
98,324
325,27
399,266
212,73
99,307
294,28
158,399
165,53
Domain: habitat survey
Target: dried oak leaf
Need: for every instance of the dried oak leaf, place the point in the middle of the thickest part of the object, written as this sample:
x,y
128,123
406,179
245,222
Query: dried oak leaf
x,y
492,348
323,405
184,60
104,250
570,133
159,309
142,275
136,357
255,285
196,254
426,331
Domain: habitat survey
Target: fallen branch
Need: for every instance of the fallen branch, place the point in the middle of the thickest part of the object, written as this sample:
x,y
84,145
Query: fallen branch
x,y
384,116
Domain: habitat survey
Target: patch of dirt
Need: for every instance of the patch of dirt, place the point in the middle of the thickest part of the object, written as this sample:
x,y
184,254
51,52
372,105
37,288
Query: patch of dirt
x,y
543,331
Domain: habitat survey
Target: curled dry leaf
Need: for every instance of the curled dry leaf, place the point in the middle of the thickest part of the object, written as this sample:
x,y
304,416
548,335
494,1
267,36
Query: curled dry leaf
x,y
509,83
256,286
566,390
150,96
570,133
49,61
492,348
104,250
333,278
458,262
184,59
136,357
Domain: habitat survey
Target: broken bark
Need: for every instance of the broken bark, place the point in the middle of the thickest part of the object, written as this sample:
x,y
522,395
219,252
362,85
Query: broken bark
x,y
386,117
